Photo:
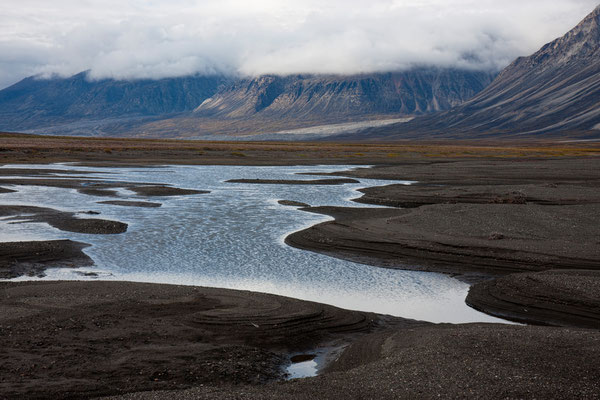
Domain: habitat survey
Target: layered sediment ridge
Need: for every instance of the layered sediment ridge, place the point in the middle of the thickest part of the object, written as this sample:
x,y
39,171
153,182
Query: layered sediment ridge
x,y
562,298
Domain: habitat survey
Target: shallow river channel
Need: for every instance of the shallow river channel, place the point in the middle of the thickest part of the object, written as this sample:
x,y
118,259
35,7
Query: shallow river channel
x,y
233,237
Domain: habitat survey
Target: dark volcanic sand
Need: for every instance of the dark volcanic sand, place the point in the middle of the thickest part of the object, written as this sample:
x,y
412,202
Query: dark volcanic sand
x,y
294,182
33,258
85,339
127,203
65,221
567,298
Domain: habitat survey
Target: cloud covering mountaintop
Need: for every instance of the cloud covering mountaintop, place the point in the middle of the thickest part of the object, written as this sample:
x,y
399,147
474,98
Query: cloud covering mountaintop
x,y
160,38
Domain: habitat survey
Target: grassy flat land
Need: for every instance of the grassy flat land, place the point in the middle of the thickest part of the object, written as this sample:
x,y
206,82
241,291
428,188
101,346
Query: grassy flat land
x,y
20,148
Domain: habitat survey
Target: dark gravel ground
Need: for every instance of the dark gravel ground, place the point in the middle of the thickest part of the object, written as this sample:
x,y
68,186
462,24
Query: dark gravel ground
x,y
467,239
475,361
563,298
87,339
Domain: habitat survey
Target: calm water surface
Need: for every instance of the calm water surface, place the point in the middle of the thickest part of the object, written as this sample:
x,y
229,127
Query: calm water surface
x,y
233,238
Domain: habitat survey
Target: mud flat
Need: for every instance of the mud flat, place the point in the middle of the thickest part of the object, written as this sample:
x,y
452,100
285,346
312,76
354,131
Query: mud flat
x,y
291,203
479,219
88,339
32,258
159,190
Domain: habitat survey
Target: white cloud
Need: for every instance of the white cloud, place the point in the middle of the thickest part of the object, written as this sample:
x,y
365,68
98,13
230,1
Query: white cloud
x,y
162,38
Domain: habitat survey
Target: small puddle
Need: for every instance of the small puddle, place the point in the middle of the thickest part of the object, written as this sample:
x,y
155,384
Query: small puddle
x,y
302,366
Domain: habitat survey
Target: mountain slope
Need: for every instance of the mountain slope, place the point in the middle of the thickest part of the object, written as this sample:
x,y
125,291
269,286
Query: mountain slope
x,y
418,91
201,105
555,89
34,103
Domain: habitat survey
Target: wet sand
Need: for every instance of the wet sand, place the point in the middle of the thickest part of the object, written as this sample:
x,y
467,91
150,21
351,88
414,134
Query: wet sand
x,y
88,339
94,187
465,239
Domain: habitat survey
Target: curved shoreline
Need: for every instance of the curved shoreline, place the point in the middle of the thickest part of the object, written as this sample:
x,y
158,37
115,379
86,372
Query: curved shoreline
x,y
153,341
506,220
555,297
149,330
68,339
33,258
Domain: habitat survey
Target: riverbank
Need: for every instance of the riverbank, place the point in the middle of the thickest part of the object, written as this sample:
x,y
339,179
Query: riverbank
x,y
481,219
88,339
499,215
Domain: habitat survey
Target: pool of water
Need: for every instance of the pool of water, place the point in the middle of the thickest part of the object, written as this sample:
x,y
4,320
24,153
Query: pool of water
x,y
305,367
233,238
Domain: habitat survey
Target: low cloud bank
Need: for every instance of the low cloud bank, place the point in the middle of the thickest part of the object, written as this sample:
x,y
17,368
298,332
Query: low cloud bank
x,y
157,39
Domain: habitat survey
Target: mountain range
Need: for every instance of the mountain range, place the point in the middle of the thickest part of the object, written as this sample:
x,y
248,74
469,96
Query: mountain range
x,y
219,104
554,91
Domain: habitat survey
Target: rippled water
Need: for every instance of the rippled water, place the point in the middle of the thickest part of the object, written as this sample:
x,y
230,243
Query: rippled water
x,y
233,238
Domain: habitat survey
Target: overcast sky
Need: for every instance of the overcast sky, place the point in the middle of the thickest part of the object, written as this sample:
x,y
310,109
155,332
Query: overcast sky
x,y
160,38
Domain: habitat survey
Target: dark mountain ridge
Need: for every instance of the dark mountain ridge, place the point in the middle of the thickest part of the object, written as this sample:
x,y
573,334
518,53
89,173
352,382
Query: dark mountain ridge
x,y
190,105
34,102
418,91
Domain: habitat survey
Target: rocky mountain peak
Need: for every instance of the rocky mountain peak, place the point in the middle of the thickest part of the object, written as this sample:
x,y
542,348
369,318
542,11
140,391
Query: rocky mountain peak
x,y
582,42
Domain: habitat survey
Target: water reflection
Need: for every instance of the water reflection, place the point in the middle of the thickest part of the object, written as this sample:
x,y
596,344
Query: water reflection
x,y
233,238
